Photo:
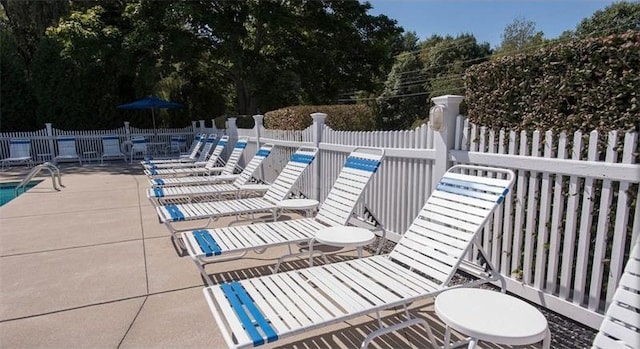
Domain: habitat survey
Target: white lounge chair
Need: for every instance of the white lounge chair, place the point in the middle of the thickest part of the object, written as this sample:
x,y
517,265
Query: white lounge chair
x,y
67,150
213,245
214,191
422,264
212,210
190,156
111,149
201,160
209,167
19,152
620,328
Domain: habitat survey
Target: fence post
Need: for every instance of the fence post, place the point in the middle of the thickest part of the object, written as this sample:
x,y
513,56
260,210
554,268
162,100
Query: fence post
x,y
318,127
49,128
258,127
443,120
214,129
127,130
194,128
201,122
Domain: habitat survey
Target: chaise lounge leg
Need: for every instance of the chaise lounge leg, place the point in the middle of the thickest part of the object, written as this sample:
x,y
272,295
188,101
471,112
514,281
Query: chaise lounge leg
x,y
408,323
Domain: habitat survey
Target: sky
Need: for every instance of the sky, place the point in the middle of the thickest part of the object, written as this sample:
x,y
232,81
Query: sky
x,y
485,19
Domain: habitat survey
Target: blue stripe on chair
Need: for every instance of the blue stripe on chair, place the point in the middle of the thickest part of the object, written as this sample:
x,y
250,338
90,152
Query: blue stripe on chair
x,y
66,139
158,192
263,152
210,140
26,141
241,145
159,181
240,301
207,243
110,137
139,141
222,143
305,159
362,164
153,172
175,212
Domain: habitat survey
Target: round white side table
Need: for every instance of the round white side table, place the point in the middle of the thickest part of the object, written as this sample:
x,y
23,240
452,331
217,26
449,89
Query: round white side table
x,y
306,205
491,316
342,236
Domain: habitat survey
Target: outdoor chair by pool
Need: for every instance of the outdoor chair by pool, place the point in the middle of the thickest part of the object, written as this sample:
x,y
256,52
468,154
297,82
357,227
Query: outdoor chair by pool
x,y
201,160
422,264
190,156
214,191
214,245
212,210
176,145
620,328
209,167
67,150
111,149
138,146
19,152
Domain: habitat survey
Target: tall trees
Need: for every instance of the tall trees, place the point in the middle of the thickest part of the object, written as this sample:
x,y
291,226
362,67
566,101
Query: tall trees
x,y
435,68
288,52
520,35
215,56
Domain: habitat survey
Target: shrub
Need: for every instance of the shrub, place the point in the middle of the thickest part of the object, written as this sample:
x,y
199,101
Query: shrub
x,y
243,121
579,85
353,117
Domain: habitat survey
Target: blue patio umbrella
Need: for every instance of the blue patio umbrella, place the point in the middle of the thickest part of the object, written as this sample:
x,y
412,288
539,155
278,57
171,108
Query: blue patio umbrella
x,y
153,103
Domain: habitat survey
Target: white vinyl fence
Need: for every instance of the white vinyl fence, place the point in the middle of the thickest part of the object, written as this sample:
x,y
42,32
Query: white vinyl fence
x,y
562,236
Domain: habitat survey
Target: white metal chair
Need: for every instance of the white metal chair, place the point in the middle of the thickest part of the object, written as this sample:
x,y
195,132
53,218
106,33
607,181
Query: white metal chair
x,y
176,145
200,161
139,146
19,152
213,245
67,150
190,156
207,168
620,328
213,191
264,309
212,210
111,149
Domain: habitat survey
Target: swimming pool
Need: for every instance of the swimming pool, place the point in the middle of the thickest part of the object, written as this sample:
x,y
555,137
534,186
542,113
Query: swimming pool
x,y
8,190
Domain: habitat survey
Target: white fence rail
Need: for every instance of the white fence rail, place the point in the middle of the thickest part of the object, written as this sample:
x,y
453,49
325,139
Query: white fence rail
x,y
562,235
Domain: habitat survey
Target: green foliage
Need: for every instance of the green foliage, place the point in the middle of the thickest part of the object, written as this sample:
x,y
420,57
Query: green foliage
x,y
520,35
435,69
77,60
579,85
353,117
615,18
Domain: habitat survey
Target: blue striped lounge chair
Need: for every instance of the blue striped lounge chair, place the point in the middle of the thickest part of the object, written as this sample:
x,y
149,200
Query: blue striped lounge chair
x,y
190,156
201,160
207,246
265,309
620,328
210,192
175,214
210,167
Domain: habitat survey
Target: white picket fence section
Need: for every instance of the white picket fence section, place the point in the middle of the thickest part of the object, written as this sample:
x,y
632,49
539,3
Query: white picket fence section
x,y
565,232
561,238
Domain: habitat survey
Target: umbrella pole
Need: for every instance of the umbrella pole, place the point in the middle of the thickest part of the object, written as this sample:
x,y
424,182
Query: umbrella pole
x,y
153,117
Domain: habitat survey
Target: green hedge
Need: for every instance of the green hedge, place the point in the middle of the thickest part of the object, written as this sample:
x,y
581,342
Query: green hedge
x,y
353,117
579,85
241,121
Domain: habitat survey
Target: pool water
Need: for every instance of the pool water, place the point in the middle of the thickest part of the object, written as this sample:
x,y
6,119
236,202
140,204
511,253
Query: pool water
x,y
8,190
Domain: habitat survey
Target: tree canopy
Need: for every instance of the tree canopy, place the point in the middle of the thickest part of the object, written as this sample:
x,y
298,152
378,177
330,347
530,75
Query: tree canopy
x,y
71,62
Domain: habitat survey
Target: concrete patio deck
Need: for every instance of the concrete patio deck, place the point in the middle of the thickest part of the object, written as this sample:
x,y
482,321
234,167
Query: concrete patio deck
x,y
91,267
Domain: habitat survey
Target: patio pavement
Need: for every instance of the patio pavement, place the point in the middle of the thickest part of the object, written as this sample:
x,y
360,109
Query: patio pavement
x,y
90,266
